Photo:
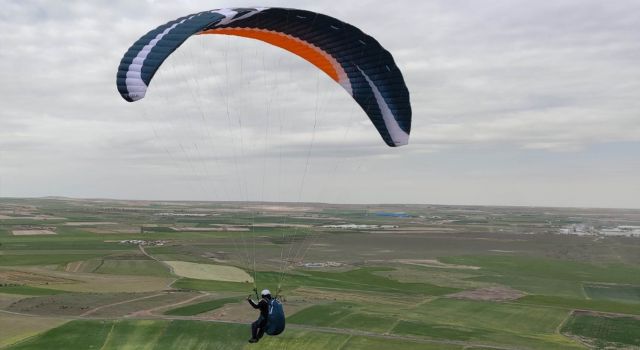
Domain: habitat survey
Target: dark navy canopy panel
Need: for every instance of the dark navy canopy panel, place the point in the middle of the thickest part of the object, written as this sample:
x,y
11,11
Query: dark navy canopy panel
x,y
352,58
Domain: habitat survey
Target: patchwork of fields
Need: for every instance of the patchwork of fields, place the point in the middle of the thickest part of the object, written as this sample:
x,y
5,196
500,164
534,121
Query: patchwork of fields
x,y
117,276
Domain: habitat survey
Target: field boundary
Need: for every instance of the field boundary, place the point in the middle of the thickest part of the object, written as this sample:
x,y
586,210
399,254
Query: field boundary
x,y
150,312
171,270
89,312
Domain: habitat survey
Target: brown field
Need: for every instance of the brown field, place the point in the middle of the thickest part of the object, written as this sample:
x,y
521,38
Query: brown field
x,y
72,304
116,283
33,217
118,230
313,295
8,299
209,271
31,278
497,293
82,266
32,232
280,208
209,229
236,312
186,298
138,306
102,283
91,223
434,263
281,225
437,276
14,328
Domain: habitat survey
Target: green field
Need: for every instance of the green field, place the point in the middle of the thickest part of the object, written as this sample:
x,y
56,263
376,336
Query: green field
x,y
601,331
482,322
323,315
581,304
28,290
132,267
437,331
520,326
540,275
208,285
621,293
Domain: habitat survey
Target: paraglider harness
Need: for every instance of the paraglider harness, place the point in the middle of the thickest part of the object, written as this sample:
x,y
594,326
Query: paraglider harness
x,y
275,322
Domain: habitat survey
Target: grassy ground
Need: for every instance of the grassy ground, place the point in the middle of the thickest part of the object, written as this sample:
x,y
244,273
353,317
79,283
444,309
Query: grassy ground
x,y
159,335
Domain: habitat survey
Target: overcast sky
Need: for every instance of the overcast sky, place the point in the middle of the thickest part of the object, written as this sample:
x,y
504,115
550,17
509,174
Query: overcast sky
x,y
514,103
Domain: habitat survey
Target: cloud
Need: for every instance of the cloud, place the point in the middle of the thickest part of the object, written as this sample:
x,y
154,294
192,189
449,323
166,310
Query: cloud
x,y
491,75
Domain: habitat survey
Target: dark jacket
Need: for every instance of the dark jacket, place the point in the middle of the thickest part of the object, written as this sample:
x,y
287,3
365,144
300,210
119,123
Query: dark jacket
x,y
263,305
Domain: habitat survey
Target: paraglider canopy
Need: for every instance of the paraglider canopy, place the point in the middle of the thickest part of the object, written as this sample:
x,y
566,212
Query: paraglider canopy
x,y
352,58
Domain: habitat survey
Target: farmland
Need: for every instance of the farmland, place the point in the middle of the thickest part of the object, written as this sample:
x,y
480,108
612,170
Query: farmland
x,y
602,331
156,275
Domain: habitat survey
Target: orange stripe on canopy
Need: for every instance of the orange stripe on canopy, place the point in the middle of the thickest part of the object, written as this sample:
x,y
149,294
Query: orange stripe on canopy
x,y
301,48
